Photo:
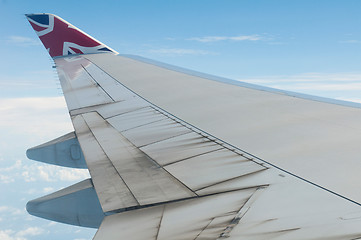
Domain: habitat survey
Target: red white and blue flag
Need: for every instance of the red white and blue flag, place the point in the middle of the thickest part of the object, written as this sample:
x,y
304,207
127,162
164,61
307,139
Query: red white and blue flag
x,y
61,38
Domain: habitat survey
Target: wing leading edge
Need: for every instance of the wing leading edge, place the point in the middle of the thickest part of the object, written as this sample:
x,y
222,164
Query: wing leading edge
x,y
176,155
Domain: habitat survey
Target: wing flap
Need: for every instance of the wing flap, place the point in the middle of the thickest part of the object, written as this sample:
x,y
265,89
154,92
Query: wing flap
x,y
155,132
111,189
133,119
286,209
145,179
180,148
211,168
190,219
135,225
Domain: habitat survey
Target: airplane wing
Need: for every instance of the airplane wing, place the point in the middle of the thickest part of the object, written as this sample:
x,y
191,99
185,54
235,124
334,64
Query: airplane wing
x,y
177,154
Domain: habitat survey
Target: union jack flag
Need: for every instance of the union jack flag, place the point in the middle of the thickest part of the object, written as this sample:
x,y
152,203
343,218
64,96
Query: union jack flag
x,y
61,38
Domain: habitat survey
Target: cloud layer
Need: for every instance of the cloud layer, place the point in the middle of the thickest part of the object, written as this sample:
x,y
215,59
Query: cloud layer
x,y
254,37
20,235
23,41
39,116
179,51
343,86
26,122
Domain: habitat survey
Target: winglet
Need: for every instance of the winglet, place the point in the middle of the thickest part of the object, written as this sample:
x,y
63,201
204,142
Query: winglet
x,y
61,38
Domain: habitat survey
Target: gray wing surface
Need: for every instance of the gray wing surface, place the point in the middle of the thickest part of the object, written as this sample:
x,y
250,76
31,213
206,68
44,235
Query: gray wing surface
x,y
177,155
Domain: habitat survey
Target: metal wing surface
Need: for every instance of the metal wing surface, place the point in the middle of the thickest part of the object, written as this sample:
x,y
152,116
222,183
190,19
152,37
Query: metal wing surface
x,y
176,154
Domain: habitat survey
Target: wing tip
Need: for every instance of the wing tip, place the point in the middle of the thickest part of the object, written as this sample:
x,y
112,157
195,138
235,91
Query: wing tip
x,y
62,38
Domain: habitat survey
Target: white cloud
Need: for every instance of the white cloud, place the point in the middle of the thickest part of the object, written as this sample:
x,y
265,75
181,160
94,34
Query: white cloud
x,y
350,99
16,165
38,191
307,77
72,174
30,231
31,191
179,51
43,173
20,235
40,172
9,235
6,179
23,41
322,86
11,210
48,189
253,37
18,211
38,120
6,174
331,85
312,81
38,116
29,81
4,208
51,173
50,224
351,41
27,177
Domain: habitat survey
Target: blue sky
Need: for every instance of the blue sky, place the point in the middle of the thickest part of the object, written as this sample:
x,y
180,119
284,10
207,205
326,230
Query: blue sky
x,y
305,46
